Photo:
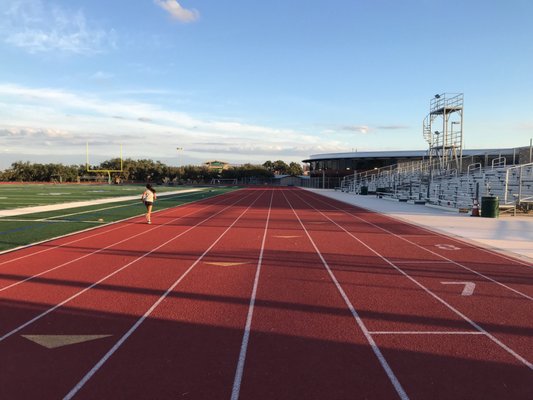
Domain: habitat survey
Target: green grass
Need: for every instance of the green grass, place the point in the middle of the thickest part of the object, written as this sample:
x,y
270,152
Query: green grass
x,y
29,195
31,228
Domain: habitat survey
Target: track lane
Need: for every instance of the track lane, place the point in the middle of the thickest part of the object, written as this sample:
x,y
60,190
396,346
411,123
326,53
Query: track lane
x,y
499,309
489,360
85,271
303,342
92,310
198,326
36,258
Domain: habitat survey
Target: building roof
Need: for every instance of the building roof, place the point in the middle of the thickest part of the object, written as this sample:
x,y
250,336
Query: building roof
x,y
400,154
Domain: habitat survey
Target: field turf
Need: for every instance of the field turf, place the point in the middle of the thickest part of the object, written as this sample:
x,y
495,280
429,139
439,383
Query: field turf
x,y
24,229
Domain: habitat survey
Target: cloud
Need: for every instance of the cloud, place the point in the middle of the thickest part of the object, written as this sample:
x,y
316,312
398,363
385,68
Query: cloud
x,y
30,116
176,11
356,128
36,28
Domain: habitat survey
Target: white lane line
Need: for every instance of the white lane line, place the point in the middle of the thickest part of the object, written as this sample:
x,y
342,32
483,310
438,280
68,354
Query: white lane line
x,y
381,358
119,343
246,336
434,253
44,313
436,297
422,262
99,232
97,251
426,333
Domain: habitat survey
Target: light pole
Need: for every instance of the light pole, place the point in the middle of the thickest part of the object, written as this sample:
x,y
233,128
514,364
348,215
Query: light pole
x,y
179,149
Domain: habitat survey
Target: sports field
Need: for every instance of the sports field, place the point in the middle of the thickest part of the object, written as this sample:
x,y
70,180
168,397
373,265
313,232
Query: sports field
x,y
30,195
62,209
264,293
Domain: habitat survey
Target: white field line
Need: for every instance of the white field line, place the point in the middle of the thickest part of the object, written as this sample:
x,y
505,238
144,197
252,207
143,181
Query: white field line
x,y
44,313
52,221
99,232
119,343
98,251
64,206
246,336
134,201
381,358
434,253
428,291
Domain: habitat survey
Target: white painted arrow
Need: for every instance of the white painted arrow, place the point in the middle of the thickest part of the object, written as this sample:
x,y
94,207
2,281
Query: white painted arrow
x,y
55,341
467,291
226,264
286,236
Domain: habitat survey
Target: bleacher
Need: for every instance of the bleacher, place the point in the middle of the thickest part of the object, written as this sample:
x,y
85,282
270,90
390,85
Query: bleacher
x,y
418,182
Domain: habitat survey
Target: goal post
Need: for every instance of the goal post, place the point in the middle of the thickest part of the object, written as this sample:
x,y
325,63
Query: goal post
x,y
105,171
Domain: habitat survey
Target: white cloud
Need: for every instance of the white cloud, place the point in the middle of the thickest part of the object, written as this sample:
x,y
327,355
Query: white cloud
x,y
177,11
356,128
36,28
32,118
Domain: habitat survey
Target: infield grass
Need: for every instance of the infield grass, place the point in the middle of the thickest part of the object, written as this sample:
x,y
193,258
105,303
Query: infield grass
x,y
22,230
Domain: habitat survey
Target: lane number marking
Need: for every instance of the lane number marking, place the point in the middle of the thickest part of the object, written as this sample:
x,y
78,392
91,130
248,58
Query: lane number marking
x,y
468,287
447,247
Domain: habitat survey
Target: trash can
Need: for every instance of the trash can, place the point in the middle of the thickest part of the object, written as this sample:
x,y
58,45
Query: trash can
x,y
364,190
490,207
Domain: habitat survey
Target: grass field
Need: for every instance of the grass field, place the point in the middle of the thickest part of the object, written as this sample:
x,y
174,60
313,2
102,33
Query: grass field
x,y
29,195
20,230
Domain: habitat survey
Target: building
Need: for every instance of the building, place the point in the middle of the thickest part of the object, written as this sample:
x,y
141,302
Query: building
x,y
342,164
328,170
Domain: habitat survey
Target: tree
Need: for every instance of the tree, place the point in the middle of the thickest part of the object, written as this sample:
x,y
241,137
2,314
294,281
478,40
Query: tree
x,y
280,167
295,169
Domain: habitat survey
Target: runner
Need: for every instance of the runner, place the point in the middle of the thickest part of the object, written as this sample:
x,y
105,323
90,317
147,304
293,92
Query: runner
x,y
148,199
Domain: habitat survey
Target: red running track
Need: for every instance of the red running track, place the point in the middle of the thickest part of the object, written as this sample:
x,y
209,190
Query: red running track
x,y
264,294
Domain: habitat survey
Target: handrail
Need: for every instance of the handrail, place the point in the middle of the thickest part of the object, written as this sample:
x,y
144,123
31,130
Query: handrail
x,y
475,166
507,172
499,162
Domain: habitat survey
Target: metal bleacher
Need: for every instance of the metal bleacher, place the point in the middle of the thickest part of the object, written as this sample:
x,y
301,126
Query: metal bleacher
x,y
421,182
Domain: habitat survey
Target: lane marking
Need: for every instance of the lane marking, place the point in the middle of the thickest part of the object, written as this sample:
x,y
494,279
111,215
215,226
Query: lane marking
x,y
286,236
51,309
428,291
426,333
102,232
226,264
422,262
246,335
447,246
96,251
381,358
468,289
434,253
55,341
119,343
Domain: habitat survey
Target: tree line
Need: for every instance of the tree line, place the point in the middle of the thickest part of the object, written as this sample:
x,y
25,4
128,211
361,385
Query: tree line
x,y
143,171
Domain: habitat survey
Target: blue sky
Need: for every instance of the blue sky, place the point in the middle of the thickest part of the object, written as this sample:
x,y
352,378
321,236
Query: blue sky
x,y
250,81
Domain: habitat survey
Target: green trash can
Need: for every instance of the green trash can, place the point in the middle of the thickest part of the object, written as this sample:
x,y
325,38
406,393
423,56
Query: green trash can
x,y
364,190
490,207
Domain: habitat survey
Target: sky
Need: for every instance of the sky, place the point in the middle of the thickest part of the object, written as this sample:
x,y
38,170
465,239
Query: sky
x,y
247,81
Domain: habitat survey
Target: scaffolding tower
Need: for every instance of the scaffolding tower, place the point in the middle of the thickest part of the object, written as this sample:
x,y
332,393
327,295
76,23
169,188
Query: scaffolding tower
x,y
443,130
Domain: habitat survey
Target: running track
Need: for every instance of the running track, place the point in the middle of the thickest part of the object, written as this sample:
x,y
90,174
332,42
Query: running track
x,y
264,294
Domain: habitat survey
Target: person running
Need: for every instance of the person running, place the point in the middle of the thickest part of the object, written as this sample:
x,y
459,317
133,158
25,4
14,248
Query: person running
x,y
148,198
